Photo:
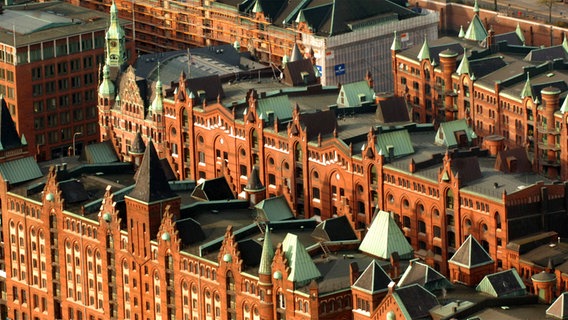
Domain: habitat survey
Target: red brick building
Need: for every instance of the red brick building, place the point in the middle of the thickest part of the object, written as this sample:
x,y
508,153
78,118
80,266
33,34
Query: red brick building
x,y
50,54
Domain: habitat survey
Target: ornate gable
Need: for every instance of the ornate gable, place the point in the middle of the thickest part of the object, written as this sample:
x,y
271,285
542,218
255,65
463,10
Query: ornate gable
x,y
128,90
52,197
168,234
229,252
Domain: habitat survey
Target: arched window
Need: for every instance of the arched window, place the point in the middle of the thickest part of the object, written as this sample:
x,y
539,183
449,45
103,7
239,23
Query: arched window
x,y
449,199
298,152
373,175
497,220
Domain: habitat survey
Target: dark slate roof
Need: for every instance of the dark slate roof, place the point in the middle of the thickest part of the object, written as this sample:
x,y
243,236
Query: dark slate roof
x,y
250,252
424,275
210,84
338,16
407,298
511,38
214,189
394,109
151,182
334,229
483,67
467,168
293,73
9,138
138,145
373,280
471,254
189,231
101,152
516,155
547,54
320,122
168,171
503,284
254,183
73,191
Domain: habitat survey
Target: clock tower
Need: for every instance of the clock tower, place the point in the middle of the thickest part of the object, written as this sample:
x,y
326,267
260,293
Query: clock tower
x,y
115,40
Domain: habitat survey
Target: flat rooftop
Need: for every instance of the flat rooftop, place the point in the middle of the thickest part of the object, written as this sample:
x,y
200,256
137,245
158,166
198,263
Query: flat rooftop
x,y
38,22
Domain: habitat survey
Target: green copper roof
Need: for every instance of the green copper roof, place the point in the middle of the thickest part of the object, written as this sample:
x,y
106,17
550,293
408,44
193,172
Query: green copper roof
x,y
475,7
20,170
106,88
446,133
564,107
396,44
463,68
257,7
527,89
302,268
424,51
471,254
398,141
267,255
461,34
296,54
476,31
385,237
274,209
280,106
114,31
354,93
520,34
301,17
158,103
565,44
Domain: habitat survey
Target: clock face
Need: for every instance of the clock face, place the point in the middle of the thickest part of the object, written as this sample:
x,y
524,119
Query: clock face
x,y
113,43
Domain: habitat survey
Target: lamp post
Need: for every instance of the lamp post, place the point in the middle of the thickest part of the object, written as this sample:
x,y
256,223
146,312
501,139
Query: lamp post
x,y
74,137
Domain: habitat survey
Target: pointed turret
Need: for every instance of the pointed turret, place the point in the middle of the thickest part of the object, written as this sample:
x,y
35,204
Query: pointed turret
x,y
267,255
151,182
475,7
396,44
106,88
115,40
527,89
158,103
424,51
255,190
114,30
301,17
137,149
520,34
463,68
296,54
257,7
476,30
461,34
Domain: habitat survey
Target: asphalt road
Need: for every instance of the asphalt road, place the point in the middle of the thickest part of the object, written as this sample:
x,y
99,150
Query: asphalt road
x,y
528,9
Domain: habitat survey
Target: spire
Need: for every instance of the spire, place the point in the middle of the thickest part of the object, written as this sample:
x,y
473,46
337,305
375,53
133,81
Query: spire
x,y
425,51
114,31
257,7
396,45
475,7
151,182
157,104
527,89
106,88
520,34
267,255
254,183
463,68
462,33
476,30
301,17
296,54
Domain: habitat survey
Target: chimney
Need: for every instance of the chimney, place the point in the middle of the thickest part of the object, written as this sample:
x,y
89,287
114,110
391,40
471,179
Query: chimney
x,y
392,286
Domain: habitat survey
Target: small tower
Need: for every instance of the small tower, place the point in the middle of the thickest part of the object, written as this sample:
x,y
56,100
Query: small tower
x,y
115,41
106,93
266,309
137,150
254,190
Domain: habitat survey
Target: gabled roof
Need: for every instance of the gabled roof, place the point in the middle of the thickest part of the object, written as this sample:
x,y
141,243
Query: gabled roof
x,y
101,152
211,85
319,122
373,280
513,161
468,169
471,254
385,237
547,54
20,170
151,183
279,106
189,231
424,275
399,141
334,229
506,283
407,298
559,308
354,93
446,135
274,209
9,138
392,110
299,73
302,268
213,189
